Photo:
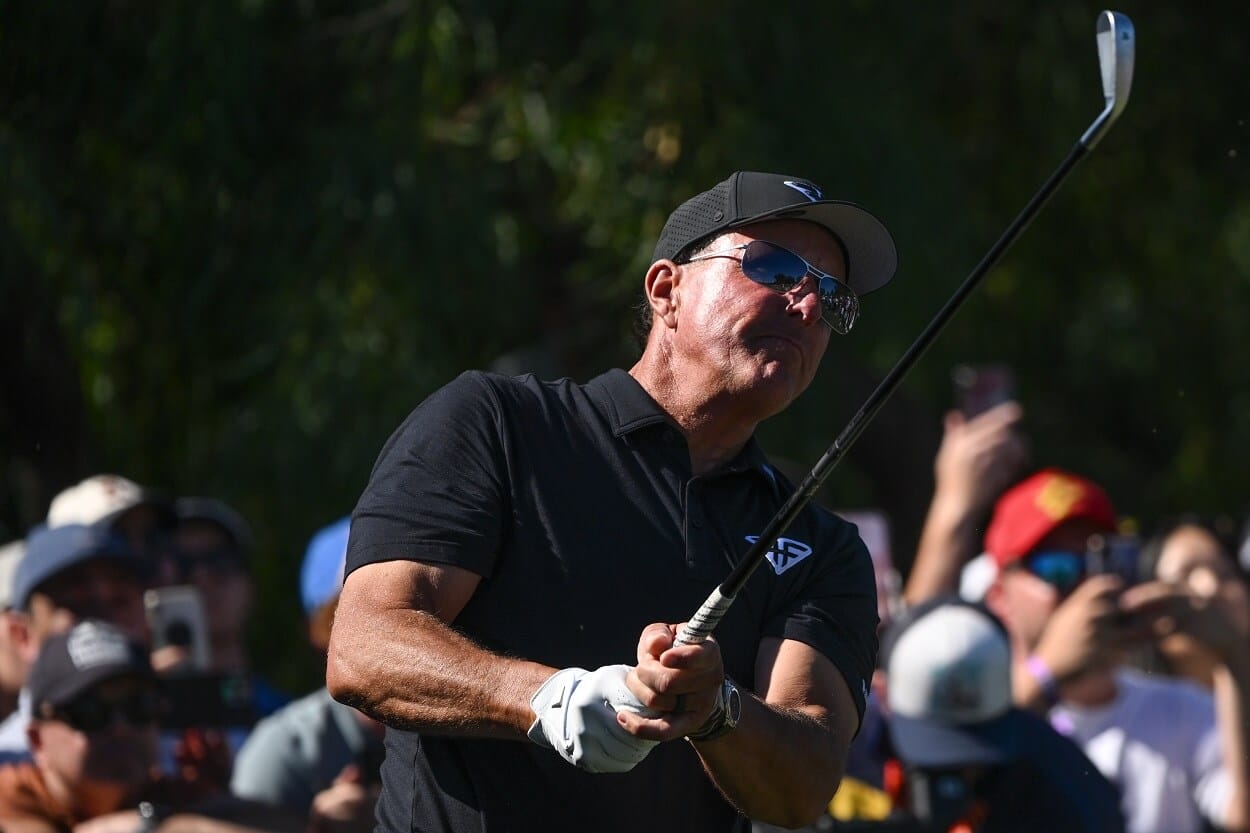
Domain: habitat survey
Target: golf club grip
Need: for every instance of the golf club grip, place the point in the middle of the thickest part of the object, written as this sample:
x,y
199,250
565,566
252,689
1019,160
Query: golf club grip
x,y
705,619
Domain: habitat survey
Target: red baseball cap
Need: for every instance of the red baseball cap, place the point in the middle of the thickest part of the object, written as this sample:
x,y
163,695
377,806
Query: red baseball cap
x,y
1030,510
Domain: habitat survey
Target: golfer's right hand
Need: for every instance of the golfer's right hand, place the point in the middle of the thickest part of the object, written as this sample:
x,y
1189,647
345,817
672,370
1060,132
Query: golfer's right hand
x,y
575,714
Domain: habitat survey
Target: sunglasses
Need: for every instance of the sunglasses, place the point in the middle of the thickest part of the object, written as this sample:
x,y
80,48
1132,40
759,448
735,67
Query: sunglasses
x,y
92,713
219,563
781,270
1061,569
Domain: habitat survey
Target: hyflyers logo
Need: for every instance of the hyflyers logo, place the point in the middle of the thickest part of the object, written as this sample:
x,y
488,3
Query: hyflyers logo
x,y
807,189
785,553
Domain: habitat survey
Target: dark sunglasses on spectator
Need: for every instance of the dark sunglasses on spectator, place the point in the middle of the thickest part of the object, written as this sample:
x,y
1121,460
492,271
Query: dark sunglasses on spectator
x,y
218,562
92,713
781,270
1061,569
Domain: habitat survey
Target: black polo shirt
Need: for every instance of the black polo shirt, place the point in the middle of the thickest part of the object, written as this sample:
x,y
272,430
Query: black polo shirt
x,y
577,506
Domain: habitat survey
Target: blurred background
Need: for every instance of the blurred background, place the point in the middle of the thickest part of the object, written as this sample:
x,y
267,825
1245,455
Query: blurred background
x,y
240,240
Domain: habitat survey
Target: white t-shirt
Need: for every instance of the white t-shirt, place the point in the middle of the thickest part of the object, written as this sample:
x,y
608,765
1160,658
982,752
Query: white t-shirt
x,y
1158,742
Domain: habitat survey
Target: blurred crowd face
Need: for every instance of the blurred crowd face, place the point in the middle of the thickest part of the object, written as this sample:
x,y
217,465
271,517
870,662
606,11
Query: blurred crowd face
x,y
101,747
1192,558
99,589
143,527
206,556
1025,601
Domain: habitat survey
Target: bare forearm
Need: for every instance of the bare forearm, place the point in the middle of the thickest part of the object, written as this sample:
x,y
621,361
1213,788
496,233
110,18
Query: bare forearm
x,y
409,669
947,541
1232,707
780,766
194,823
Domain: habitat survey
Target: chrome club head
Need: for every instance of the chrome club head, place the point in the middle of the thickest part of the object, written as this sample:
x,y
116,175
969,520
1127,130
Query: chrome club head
x,y
1116,41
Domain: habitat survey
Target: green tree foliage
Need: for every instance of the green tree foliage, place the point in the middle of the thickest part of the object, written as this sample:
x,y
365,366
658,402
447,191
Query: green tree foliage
x,y
240,240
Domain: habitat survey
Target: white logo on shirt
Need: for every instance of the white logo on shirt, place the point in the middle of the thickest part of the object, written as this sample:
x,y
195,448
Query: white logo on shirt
x,y
785,553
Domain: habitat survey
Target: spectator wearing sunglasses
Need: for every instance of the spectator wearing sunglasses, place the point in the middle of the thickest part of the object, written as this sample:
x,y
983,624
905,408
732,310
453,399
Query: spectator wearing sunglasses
x,y
209,548
517,536
93,735
1178,755
69,573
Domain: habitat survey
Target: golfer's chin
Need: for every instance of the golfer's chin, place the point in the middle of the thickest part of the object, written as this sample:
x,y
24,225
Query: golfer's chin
x,y
777,384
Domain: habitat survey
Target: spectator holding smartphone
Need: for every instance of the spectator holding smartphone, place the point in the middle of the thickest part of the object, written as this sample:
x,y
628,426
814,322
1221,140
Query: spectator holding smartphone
x,y
1178,755
1188,552
93,734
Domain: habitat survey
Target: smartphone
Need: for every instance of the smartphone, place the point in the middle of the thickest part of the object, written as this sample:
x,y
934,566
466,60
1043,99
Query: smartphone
x,y
206,701
1117,555
176,618
980,387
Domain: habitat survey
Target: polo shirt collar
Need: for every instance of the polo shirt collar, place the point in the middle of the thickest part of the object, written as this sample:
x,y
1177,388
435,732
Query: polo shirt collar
x,y
629,408
626,403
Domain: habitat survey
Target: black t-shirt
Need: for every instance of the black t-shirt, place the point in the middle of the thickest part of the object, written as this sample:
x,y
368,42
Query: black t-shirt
x,y
577,506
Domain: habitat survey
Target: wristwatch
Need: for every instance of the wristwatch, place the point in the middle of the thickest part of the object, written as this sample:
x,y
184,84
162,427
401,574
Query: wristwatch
x,y
724,717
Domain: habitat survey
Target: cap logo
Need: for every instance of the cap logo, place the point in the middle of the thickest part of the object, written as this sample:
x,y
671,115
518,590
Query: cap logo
x,y
958,690
807,189
1058,496
90,645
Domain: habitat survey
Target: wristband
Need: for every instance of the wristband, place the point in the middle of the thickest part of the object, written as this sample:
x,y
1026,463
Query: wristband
x,y
1041,674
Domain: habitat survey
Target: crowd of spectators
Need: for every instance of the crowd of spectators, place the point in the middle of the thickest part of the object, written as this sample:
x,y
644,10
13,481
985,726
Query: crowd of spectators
x,y
1043,667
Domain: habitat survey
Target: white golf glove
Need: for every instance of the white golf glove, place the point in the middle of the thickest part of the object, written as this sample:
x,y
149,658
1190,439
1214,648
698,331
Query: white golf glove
x,y
576,716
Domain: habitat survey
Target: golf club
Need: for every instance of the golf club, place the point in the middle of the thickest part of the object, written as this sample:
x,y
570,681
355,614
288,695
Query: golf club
x,y
1115,38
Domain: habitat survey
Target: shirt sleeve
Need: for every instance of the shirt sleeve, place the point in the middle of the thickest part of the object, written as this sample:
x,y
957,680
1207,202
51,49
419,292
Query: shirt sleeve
x,y
835,611
439,490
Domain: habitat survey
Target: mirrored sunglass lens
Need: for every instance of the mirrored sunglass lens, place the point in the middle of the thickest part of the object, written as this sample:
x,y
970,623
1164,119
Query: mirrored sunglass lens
x,y
773,266
841,307
1060,569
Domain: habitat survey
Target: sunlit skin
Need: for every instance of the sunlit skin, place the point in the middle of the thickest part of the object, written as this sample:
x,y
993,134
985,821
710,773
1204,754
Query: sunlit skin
x,y
96,772
726,353
1025,602
1192,557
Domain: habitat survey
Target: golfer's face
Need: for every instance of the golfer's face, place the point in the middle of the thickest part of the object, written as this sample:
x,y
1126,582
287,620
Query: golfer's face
x,y
760,342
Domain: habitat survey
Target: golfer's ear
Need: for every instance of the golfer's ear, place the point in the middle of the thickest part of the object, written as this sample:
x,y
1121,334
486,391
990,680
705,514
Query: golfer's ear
x,y
661,287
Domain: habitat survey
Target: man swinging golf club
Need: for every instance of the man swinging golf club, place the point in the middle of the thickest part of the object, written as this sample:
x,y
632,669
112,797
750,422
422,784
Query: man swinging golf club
x,y
519,540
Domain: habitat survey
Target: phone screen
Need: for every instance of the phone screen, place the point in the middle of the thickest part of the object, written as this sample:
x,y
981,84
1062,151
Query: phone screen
x,y
980,387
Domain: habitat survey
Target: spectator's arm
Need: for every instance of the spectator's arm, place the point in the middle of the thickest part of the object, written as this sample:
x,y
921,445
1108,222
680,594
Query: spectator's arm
x,y
977,459
26,825
1162,609
1232,713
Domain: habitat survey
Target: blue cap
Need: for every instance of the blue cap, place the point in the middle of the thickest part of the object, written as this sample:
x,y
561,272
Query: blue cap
x,y
50,552
321,576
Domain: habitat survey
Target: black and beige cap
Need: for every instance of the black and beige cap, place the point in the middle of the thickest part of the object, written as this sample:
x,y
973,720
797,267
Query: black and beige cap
x,y
71,663
749,196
